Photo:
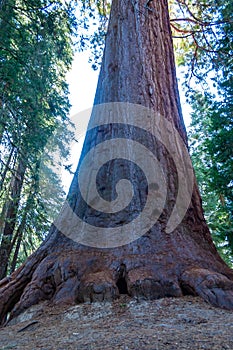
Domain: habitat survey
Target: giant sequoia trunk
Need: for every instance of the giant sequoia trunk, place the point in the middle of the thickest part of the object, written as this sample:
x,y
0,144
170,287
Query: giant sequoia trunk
x,y
138,68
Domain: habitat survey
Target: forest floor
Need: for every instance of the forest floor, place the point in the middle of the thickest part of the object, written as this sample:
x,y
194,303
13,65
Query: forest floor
x,y
165,324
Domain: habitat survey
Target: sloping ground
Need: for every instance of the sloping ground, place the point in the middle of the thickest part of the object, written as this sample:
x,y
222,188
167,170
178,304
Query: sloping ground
x,y
171,323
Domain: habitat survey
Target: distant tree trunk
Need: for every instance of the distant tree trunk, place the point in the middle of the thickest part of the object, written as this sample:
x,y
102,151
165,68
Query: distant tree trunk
x,y
6,195
18,241
230,240
6,168
20,230
10,217
2,122
1,131
138,67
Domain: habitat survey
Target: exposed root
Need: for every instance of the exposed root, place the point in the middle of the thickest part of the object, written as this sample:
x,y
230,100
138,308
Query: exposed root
x,y
12,287
75,274
213,287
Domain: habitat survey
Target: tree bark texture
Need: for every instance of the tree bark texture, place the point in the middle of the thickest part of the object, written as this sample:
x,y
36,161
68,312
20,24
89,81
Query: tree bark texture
x,y
138,67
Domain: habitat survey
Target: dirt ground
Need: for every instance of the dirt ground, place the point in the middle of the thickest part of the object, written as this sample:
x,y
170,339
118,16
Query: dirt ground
x,y
165,324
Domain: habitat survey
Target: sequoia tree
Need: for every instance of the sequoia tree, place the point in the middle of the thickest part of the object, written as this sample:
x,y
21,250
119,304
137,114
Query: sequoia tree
x,y
168,252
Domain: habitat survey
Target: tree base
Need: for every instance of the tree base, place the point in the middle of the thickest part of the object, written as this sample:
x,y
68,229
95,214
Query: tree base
x,y
151,267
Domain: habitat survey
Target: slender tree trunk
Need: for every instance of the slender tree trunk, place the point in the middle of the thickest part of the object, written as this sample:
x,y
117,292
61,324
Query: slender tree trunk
x,y
6,169
138,68
19,236
2,218
10,217
2,122
1,132
20,230
230,240
6,197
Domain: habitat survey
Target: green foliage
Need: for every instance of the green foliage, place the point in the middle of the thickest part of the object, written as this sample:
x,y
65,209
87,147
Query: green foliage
x,y
200,34
94,16
36,51
211,136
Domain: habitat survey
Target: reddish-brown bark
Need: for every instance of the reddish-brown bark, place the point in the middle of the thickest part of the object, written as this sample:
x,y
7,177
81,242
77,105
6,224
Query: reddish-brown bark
x,y
138,67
